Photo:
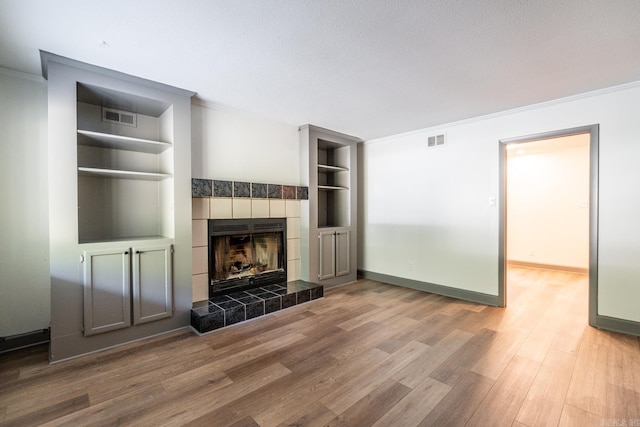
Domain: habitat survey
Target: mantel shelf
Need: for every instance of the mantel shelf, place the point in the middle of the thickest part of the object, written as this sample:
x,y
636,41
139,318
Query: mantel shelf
x,y
118,142
120,174
329,168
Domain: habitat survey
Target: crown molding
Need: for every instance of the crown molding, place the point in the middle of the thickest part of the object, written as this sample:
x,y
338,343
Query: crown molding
x,y
558,101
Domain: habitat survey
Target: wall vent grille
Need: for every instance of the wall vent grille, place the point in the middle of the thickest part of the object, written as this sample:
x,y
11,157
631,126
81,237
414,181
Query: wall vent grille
x,y
436,141
120,117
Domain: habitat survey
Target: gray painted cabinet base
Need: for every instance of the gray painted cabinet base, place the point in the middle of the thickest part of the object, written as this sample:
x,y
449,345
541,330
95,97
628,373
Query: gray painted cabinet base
x,y
343,252
152,277
119,207
107,285
334,253
126,285
326,255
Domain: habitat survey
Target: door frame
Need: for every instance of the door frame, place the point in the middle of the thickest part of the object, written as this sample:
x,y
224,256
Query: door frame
x,y
594,134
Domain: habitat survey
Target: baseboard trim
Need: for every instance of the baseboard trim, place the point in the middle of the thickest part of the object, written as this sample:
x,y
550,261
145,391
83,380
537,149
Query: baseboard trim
x,y
618,325
446,291
111,347
547,266
16,342
613,324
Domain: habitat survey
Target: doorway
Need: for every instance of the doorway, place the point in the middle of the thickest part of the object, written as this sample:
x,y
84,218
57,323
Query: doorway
x,y
573,230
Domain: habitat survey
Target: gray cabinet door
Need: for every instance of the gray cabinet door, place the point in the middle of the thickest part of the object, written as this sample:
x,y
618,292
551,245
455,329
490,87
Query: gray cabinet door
x,y
343,263
107,300
327,254
152,283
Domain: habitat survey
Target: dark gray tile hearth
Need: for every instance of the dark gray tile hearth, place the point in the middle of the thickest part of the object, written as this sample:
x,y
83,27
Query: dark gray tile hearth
x,y
289,300
255,309
272,304
234,315
207,321
304,296
225,310
316,292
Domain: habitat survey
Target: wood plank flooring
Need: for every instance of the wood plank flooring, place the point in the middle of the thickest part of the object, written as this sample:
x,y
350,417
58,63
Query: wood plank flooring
x,y
367,354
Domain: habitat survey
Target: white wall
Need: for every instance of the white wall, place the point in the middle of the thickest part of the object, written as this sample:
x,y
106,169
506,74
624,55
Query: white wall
x,y
425,213
24,225
548,202
233,146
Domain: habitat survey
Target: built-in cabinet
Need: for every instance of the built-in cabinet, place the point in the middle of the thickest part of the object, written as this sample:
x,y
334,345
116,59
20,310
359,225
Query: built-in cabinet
x,y
334,252
120,207
107,289
329,168
343,252
152,277
125,166
125,286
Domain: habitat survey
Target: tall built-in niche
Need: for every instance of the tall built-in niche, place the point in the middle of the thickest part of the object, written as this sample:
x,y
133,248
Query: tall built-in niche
x,y
119,207
125,165
329,228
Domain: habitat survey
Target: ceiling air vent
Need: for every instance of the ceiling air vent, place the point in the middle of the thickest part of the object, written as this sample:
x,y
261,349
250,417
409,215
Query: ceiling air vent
x,y
120,117
436,141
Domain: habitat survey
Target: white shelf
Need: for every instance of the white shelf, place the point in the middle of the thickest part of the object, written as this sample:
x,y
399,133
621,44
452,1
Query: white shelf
x,y
328,168
331,187
131,240
106,140
120,174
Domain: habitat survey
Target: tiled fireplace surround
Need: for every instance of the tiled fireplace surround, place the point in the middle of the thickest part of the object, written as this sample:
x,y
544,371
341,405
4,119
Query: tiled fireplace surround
x,y
216,199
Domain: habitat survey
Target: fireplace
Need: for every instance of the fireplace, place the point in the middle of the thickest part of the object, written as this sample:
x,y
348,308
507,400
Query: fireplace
x,y
246,253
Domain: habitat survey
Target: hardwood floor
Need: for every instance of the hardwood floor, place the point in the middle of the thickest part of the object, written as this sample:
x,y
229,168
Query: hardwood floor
x,y
366,354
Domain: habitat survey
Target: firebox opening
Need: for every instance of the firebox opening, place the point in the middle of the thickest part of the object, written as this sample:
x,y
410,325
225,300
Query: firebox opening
x,y
246,253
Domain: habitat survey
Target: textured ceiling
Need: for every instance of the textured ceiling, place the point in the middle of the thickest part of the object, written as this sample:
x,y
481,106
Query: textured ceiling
x,y
369,68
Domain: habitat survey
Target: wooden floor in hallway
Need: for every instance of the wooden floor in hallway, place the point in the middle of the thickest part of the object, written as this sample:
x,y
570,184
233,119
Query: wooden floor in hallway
x,y
367,354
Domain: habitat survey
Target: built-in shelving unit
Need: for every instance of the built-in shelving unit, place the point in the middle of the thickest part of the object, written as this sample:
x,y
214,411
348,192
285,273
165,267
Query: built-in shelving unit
x,y
334,179
331,187
325,172
119,207
119,174
117,142
124,171
330,234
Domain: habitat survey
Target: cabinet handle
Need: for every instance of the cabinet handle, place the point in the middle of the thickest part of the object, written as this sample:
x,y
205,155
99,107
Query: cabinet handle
x,y
138,252
126,252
